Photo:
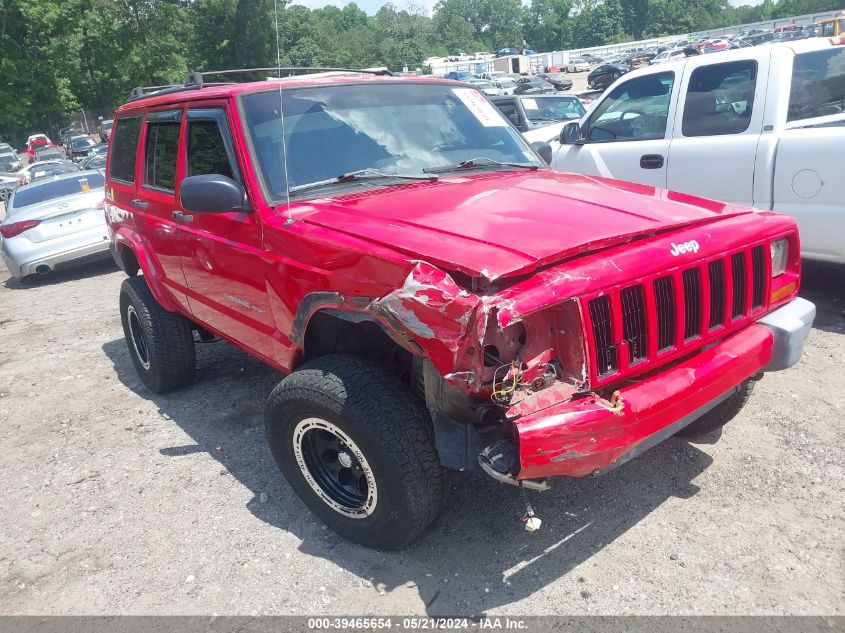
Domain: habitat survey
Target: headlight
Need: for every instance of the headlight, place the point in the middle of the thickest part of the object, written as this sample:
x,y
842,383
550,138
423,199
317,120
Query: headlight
x,y
780,255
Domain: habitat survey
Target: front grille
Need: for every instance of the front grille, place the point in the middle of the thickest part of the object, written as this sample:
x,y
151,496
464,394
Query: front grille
x,y
739,298
634,323
664,296
660,316
602,333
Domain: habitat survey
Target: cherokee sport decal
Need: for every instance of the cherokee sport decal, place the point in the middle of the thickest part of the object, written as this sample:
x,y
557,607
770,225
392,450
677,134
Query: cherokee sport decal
x,y
686,247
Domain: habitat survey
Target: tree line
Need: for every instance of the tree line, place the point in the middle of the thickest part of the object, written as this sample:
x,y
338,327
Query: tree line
x,y
59,56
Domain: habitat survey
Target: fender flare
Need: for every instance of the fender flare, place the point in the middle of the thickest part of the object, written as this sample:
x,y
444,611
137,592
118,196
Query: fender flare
x,y
127,239
353,309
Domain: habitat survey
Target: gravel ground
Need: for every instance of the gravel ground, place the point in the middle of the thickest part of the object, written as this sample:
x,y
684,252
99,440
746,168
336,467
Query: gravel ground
x,y
119,501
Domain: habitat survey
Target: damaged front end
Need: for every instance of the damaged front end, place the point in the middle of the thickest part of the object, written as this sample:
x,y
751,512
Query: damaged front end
x,y
486,365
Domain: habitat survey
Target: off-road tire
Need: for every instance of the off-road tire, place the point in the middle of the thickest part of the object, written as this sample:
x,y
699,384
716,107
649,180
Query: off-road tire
x,y
166,336
721,414
390,426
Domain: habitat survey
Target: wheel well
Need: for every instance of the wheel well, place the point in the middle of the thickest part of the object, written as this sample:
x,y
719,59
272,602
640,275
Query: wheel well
x,y
128,261
331,332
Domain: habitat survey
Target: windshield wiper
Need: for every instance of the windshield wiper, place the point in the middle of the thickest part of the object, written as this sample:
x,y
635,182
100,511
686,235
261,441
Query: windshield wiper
x,y
478,162
360,174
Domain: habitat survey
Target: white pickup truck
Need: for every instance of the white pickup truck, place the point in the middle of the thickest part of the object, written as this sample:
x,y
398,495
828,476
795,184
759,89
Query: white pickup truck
x,y
761,127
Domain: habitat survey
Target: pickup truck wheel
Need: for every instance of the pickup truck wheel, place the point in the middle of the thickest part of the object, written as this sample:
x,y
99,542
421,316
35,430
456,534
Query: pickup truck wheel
x,y
721,414
161,343
358,449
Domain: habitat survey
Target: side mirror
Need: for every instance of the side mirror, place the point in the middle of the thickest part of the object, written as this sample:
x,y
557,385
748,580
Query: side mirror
x,y
570,134
544,150
212,193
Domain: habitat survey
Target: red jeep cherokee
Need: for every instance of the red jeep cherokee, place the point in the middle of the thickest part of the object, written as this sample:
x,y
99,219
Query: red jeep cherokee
x,y
438,297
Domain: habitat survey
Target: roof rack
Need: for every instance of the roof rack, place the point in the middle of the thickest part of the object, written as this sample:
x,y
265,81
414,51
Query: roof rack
x,y
196,79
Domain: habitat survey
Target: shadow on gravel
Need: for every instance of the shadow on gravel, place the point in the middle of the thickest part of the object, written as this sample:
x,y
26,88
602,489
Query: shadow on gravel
x,y
476,556
824,285
93,269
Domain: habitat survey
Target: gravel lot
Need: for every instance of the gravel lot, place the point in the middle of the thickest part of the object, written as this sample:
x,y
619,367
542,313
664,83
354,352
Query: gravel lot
x,y
118,501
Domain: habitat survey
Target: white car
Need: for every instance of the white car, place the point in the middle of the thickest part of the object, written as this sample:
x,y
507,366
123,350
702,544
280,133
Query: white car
x,y
486,87
45,169
505,85
759,127
667,56
494,75
578,65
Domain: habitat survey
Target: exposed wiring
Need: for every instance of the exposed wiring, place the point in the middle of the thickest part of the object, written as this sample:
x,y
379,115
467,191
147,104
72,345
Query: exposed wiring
x,y
508,389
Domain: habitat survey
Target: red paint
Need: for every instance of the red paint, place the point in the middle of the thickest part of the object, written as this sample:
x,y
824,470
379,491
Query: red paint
x,y
445,265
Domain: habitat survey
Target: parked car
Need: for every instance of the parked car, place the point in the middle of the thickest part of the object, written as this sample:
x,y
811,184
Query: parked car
x,y
592,59
505,85
47,153
773,116
98,161
35,141
437,297
9,160
606,74
79,146
532,86
105,129
578,65
668,56
486,87
539,117
558,80
55,224
8,183
45,169
459,75
492,75
759,38
504,52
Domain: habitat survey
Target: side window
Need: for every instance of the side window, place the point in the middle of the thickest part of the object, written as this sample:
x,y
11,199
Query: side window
x,y
207,150
720,99
818,84
510,112
123,147
636,110
160,154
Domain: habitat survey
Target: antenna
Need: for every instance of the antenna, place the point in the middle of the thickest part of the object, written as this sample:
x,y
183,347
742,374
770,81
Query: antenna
x,y
289,221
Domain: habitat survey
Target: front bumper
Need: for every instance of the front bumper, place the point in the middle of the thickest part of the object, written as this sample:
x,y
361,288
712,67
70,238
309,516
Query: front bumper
x,y
590,435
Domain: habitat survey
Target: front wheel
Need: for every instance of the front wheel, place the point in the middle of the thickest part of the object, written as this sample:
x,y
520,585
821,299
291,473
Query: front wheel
x,y
358,448
721,414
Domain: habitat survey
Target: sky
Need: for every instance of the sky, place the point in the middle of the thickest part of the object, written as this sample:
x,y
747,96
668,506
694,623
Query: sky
x,y
371,6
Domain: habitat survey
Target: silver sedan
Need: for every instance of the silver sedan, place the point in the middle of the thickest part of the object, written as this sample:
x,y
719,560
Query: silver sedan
x,y
53,224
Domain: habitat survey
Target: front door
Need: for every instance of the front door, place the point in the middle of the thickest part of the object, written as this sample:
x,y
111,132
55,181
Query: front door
x,y
627,136
222,262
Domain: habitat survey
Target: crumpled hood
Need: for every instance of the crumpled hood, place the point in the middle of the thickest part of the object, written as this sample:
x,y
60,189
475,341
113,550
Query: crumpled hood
x,y
502,224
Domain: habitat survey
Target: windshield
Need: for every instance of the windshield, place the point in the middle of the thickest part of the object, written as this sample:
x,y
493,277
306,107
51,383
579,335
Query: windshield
x,y
393,128
553,108
36,194
81,142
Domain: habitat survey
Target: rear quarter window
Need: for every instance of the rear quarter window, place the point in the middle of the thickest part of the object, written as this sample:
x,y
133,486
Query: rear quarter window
x,y
818,84
123,148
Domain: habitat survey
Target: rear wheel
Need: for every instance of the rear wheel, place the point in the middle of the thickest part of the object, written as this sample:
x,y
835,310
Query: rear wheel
x,y
358,449
161,343
721,414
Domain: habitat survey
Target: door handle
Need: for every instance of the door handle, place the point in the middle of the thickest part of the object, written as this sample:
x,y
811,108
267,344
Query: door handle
x,y
140,204
651,161
184,218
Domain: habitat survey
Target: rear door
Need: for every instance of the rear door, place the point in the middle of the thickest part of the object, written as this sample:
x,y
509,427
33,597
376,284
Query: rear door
x,y
223,262
718,126
627,134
